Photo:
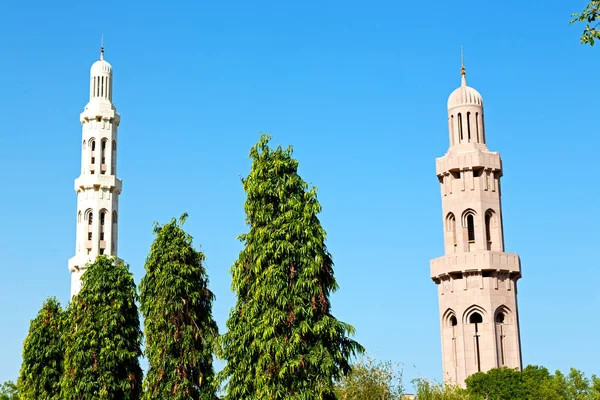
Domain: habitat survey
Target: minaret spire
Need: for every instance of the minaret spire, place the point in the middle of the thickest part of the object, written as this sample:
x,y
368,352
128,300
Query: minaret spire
x,y
463,71
102,48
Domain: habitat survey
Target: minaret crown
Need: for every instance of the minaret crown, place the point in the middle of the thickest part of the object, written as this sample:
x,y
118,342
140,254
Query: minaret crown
x,y
465,116
464,95
100,68
101,79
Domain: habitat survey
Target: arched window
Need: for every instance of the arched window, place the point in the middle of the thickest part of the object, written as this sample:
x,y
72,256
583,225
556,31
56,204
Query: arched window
x,y
450,321
103,157
113,158
471,228
452,130
469,127
102,222
477,126
89,216
482,129
501,319
79,217
460,127
453,323
488,229
449,318
92,151
476,319
451,228
113,238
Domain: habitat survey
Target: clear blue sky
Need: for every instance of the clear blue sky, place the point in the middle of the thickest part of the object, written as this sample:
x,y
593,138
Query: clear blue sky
x,y
359,89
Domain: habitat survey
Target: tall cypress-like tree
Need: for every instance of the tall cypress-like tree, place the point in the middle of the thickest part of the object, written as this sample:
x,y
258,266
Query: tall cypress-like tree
x,y
43,351
177,307
103,344
282,340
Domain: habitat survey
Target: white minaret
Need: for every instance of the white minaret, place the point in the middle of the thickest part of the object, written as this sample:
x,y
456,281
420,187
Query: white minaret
x,y
97,187
476,279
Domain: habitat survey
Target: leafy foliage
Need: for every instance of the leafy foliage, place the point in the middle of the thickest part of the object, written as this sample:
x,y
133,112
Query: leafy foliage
x,y
591,17
500,383
43,351
282,340
532,383
8,391
371,380
428,390
177,308
576,386
104,338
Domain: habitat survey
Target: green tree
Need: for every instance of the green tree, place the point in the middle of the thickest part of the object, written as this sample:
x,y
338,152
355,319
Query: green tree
x,y
539,384
595,388
282,340
43,352
498,384
371,380
8,391
575,386
428,390
591,17
102,346
177,308
532,383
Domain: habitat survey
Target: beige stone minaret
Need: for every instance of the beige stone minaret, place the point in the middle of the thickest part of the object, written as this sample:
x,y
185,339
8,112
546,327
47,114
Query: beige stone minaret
x,y
97,187
476,278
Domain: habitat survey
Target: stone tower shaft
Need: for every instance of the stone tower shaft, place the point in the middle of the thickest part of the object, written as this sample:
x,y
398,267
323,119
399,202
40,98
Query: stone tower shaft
x,y
97,187
476,278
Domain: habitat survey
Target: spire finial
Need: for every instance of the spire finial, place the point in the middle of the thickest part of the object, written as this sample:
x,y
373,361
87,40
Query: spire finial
x,y
102,48
463,71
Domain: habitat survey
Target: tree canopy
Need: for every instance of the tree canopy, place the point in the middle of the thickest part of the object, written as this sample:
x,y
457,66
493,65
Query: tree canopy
x,y
8,391
371,379
282,340
591,17
43,351
177,307
102,345
533,383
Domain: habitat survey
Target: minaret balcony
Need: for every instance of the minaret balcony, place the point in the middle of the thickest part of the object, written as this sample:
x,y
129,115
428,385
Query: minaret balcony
x,y
482,260
461,161
88,181
99,108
